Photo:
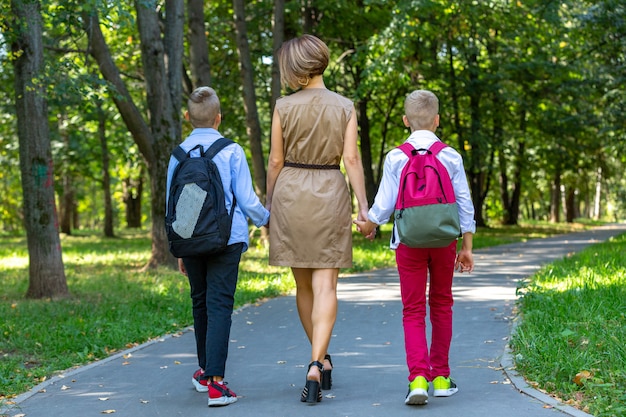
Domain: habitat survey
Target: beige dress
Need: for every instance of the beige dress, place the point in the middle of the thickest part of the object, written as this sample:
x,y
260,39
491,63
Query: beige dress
x,y
311,215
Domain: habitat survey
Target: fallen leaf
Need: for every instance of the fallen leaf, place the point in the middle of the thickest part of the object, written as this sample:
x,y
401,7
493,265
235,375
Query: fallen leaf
x,y
176,362
127,355
125,363
581,377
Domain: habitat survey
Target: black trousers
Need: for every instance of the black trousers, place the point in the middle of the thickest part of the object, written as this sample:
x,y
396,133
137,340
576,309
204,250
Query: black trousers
x,y
213,280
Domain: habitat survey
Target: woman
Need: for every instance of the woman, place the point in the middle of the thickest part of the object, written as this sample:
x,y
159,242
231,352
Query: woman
x,y
313,130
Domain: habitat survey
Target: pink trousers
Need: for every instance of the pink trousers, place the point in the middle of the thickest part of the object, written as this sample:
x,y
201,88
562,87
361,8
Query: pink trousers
x,y
414,267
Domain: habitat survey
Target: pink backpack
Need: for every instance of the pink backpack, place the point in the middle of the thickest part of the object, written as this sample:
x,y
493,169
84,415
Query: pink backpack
x,y
426,213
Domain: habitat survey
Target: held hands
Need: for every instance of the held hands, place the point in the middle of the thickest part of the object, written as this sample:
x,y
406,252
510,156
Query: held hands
x,y
364,226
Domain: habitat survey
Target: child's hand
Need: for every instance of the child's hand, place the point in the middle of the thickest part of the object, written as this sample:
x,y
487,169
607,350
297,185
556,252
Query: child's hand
x,y
181,266
464,261
366,228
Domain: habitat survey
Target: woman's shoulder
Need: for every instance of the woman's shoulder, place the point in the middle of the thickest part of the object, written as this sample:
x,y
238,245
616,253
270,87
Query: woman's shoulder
x,y
338,98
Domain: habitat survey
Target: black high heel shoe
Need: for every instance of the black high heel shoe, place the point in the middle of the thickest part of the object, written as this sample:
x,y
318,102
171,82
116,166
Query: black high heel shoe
x,y
327,379
312,393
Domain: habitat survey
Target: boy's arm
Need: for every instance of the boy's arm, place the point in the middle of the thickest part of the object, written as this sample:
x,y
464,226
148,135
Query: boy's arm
x,y
241,184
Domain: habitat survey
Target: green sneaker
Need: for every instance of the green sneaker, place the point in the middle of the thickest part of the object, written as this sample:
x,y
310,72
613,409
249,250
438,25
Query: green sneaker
x,y
444,387
418,392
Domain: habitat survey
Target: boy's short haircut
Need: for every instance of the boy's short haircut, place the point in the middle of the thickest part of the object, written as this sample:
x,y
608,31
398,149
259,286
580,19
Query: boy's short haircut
x,y
421,107
302,58
203,106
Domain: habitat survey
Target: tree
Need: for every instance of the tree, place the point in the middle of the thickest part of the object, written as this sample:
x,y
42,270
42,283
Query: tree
x,y
46,271
162,68
198,46
249,98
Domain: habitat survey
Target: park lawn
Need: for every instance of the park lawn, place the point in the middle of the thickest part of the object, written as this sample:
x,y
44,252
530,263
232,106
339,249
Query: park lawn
x,y
570,340
115,305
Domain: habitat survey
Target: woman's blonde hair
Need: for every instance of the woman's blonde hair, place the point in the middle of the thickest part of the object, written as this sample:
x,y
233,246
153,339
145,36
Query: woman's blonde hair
x,y
420,108
300,59
203,107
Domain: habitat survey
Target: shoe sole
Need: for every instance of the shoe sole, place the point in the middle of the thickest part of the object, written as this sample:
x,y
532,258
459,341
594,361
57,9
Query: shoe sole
x,y
445,392
222,401
198,386
417,397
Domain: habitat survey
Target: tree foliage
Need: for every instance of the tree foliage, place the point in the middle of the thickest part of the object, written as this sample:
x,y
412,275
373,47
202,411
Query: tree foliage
x,y
531,94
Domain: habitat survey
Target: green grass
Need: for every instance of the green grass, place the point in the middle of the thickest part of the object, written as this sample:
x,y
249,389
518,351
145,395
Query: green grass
x,y
114,305
570,341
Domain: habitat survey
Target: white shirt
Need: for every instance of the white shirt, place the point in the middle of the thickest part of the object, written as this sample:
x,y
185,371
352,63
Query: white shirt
x,y
385,201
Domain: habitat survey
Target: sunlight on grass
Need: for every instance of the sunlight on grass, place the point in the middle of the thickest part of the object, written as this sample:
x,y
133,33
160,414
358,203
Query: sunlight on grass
x,y
573,324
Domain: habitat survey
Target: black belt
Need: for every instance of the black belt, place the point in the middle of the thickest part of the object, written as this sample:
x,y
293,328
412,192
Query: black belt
x,y
310,166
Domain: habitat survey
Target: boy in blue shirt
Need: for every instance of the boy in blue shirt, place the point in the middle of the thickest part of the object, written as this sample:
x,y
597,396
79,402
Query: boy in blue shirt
x,y
415,265
213,278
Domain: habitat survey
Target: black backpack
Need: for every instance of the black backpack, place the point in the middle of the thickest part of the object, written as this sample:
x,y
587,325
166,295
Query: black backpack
x,y
197,222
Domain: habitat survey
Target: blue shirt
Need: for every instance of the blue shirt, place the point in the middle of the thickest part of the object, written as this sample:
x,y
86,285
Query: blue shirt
x,y
385,201
236,179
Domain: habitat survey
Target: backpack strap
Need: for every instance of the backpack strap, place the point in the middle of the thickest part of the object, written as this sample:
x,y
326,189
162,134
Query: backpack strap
x,y
437,146
217,146
179,153
213,150
407,148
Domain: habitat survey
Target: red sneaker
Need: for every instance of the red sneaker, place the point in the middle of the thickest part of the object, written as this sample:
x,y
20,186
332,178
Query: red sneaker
x,y
199,382
220,394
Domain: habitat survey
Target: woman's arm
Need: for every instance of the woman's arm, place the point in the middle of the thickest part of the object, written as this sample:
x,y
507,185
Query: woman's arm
x,y
354,166
276,159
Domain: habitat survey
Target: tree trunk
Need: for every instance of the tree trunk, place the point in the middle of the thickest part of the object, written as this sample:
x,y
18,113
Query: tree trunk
x,y
278,37
517,183
520,161
198,45
366,151
555,197
478,177
570,204
133,189
249,99
66,201
66,204
162,65
473,174
106,177
308,16
504,187
46,271
598,195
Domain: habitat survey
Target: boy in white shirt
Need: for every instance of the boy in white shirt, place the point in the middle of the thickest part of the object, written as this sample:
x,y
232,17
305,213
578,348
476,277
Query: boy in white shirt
x,y
416,264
